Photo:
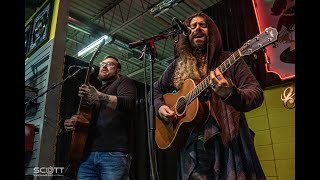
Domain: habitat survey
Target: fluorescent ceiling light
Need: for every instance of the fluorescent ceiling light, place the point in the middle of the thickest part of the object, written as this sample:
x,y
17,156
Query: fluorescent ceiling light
x,y
91,47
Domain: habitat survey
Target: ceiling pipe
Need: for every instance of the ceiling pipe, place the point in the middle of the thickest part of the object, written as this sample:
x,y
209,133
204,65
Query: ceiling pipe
x,y
78,29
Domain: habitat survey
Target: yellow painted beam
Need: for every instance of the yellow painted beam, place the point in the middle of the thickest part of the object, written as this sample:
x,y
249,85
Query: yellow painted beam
x,y
54,19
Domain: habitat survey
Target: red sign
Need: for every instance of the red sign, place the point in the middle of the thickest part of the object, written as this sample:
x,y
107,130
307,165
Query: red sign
x,y
280,14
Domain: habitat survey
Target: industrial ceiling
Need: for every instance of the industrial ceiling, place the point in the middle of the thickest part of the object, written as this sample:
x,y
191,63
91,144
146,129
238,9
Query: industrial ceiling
x,y
126,21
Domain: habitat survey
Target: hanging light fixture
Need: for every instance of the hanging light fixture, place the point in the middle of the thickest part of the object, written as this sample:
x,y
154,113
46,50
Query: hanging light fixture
x,y
91,47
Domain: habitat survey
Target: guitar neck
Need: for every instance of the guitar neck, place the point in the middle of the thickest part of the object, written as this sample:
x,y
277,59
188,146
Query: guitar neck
x,y
87,79
206,81
261,40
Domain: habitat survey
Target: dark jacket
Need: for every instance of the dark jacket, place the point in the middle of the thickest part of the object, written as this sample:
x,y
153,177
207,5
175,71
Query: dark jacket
x,y
238,159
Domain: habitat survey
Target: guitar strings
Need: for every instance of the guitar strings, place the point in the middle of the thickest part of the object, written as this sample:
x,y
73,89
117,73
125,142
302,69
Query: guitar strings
x,y
190,96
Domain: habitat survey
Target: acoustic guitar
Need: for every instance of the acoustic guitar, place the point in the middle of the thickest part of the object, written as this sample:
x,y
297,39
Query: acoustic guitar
x,y
81,129
189,110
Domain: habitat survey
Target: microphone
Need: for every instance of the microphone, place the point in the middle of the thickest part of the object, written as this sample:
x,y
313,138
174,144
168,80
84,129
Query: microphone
x,y
82,68
186,31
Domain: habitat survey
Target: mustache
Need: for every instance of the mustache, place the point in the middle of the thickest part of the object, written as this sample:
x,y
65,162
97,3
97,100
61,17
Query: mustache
x,y
198,33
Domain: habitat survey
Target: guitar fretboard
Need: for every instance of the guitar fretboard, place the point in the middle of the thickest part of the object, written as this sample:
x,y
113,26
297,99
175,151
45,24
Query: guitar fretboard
x,y
87,79
206,82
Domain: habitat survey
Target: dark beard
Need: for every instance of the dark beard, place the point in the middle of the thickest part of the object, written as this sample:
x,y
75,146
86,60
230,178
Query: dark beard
x,y
106,79
198,52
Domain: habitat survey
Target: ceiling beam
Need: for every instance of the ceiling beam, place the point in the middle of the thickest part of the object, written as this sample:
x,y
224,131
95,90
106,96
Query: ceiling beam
x,y
105,10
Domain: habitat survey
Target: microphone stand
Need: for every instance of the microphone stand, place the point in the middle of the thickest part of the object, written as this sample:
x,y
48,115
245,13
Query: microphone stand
x,y
49,89
151,48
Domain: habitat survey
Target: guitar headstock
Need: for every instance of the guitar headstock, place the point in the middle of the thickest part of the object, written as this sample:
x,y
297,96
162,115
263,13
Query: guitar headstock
x,y
268,36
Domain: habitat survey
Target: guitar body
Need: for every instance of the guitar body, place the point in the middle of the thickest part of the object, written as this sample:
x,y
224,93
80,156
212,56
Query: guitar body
x,y
174,134
80,133
78,141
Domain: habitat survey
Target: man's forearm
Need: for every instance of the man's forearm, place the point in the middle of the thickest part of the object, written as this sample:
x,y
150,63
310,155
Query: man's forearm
x,y
109,100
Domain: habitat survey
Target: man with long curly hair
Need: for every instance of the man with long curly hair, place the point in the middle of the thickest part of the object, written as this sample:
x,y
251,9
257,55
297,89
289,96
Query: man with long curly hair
x,y
222,145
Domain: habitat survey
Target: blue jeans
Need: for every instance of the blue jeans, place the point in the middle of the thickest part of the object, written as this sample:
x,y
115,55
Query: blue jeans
x,y
105,166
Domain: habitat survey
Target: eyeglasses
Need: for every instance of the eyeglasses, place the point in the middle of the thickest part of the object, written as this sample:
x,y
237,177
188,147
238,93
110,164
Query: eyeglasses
x,y
102,64
201,24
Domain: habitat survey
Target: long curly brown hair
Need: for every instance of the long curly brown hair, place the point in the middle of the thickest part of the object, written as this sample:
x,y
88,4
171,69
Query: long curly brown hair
x,y
190,64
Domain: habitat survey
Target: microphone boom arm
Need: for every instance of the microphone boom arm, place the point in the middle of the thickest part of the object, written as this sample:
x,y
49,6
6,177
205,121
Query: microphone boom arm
x,y
154,38
52,87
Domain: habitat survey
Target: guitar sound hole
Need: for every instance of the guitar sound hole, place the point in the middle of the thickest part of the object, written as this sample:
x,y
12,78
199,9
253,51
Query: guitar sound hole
x,y
181,105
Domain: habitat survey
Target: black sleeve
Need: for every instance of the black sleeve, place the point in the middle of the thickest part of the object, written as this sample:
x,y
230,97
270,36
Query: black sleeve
x,y
126,94
163,85
247,93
